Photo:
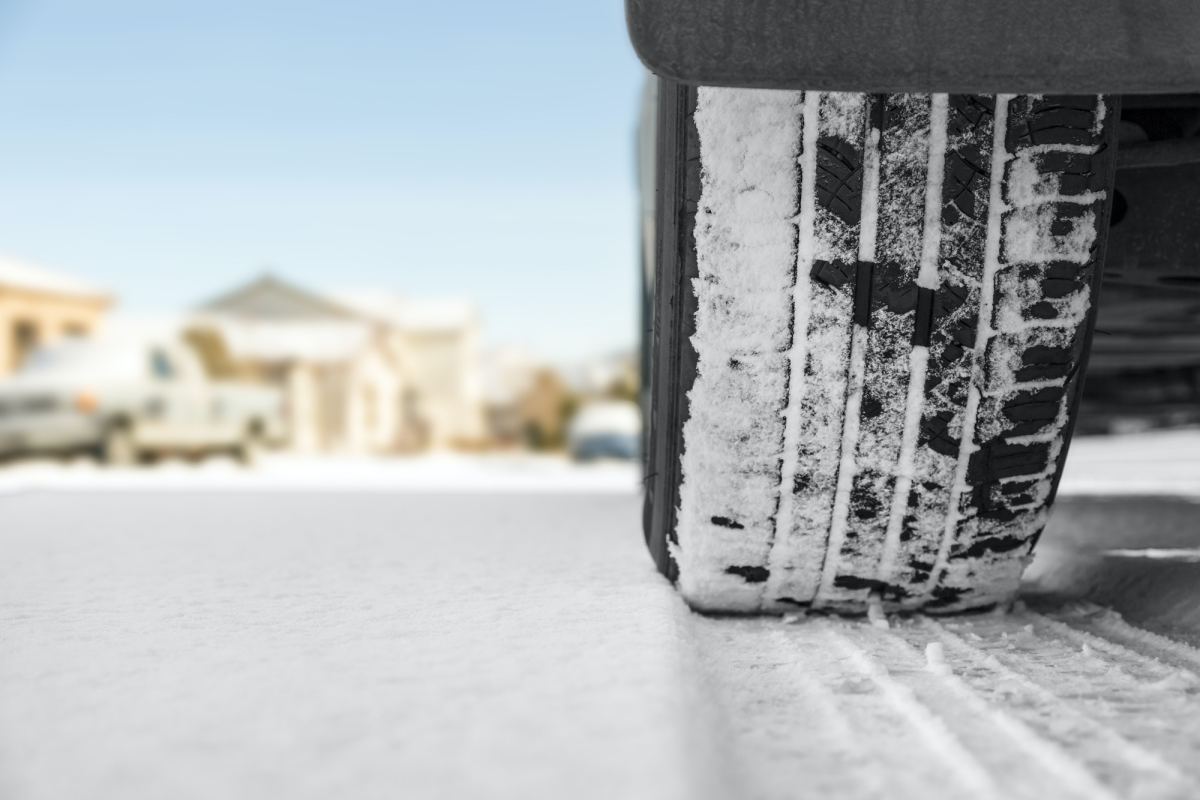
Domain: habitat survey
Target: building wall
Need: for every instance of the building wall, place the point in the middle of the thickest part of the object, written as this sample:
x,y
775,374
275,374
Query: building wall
x,y
398,390
29,319
442,369
374,413
346,406
301,399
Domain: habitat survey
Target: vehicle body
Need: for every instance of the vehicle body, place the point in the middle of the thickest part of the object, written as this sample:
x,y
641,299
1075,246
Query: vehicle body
x,y
605,430
126,398
1135,65
1147,53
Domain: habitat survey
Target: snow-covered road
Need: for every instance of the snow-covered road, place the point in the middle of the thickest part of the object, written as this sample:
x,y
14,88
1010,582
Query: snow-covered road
x,y
226,644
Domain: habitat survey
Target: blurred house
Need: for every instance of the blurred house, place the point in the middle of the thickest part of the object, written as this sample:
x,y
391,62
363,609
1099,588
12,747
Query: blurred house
x,y
39,306
436,344
369,375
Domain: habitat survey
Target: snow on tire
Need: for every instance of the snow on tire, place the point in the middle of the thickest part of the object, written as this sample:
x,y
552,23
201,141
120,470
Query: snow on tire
x,y
893,303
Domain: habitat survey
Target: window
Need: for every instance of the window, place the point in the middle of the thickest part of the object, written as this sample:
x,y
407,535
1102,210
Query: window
x,y
161,366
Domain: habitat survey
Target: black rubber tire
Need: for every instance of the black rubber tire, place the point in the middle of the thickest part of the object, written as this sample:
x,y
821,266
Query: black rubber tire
x,y
793,460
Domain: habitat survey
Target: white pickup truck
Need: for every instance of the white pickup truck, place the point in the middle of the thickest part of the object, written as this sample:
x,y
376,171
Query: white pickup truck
x,y
127,399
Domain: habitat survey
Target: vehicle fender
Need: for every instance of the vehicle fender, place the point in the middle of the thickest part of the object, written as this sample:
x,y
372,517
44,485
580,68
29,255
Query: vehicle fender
x,y
1018,46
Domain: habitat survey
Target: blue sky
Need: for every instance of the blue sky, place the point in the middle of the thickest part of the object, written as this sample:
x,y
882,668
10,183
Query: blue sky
x,y
170,150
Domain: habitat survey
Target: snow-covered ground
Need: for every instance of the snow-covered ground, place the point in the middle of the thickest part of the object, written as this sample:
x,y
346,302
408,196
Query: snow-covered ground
x,y
453,628
1155,462
1160,462
443,472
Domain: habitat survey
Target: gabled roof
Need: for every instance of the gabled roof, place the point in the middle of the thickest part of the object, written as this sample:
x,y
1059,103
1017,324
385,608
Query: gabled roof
x,y
35,278
268,298
427,315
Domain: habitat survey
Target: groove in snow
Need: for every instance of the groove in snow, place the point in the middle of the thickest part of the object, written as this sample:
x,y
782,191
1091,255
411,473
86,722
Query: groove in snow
x,y
1043,691
938,736
1022,763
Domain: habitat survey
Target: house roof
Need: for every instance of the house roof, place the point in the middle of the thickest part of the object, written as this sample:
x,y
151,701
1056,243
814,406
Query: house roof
x,y
270,319
424,315
36,278
268,298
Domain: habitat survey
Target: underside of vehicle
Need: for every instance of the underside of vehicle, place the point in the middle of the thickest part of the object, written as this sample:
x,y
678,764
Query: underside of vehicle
x,y
1114,82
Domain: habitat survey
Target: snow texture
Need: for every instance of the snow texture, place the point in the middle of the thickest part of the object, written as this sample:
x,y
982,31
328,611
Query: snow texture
x,y
366,644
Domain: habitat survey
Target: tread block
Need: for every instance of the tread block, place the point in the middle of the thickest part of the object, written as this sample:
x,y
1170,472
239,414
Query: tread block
x,y
839,178
893,289
1042,362
1052,120
834,274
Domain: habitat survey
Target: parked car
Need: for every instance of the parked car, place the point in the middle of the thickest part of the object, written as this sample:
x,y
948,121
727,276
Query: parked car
x,y
129,398
605,430
875,242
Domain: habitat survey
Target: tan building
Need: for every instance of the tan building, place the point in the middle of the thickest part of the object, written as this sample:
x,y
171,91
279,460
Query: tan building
x,y
368,373
39,306
436,344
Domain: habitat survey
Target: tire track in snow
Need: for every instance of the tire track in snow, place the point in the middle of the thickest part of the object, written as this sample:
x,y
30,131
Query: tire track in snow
x,y
1110,626
939,736
1139,666
1021,763
798,722
1137,699
1020,708
1046,687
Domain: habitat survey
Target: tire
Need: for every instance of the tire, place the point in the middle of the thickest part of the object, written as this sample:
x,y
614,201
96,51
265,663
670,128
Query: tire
x,y
873,314
119,447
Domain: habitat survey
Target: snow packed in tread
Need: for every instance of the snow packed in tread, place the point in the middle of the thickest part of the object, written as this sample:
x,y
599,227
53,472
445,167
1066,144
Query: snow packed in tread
x,y
773,471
